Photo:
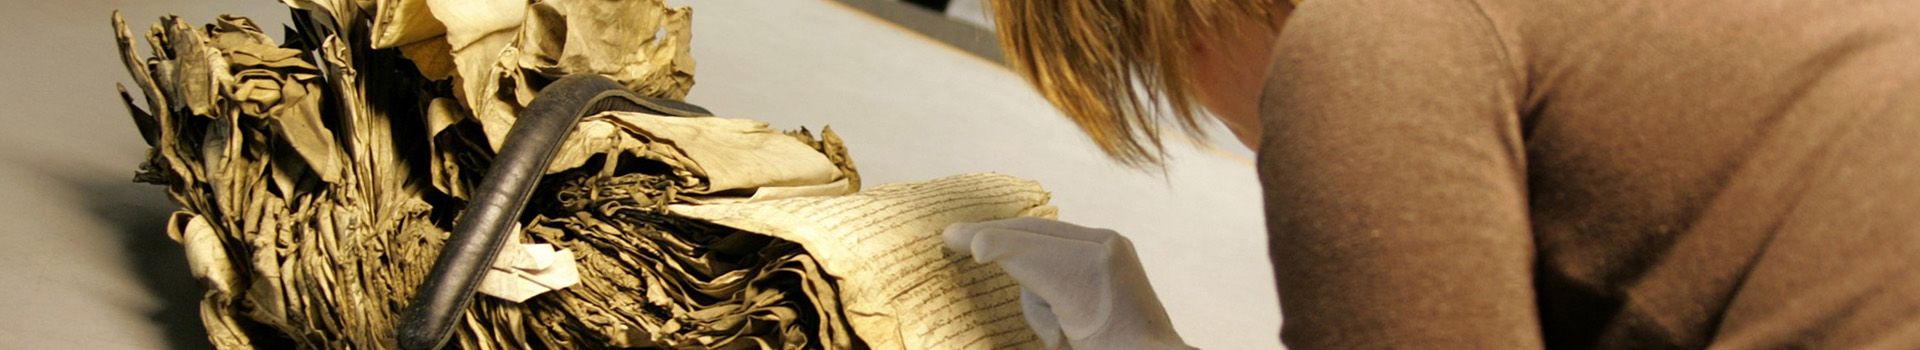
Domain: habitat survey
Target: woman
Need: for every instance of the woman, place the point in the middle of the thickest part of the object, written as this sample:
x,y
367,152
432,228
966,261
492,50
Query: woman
x,y
1507,173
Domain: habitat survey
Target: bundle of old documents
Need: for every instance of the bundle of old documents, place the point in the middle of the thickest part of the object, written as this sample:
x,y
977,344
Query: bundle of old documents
x,y
319,176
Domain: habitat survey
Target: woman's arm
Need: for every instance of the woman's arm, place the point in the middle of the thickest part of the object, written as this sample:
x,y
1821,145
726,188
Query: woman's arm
x,y
1395,179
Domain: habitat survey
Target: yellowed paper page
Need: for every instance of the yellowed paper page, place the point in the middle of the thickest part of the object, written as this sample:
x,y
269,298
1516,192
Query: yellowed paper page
x,y
901,288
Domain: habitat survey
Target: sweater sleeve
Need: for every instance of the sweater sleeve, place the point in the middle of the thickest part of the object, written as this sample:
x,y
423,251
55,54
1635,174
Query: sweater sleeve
x,y
1395,179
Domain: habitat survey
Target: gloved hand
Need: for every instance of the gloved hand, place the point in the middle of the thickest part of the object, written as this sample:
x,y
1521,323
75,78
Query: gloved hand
x,y
1081,284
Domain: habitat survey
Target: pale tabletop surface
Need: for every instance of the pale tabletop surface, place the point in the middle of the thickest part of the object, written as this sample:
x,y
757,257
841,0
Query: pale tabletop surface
x,y
85,263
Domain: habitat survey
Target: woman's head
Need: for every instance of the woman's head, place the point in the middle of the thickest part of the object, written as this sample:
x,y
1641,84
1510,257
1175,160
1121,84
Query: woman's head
x,y
1110,64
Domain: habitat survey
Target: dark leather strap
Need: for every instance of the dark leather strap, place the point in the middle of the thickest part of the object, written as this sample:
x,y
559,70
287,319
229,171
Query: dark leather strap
x,y
495,208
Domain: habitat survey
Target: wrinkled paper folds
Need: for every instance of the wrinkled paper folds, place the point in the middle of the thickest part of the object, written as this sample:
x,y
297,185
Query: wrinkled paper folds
x,y
318,179
901,288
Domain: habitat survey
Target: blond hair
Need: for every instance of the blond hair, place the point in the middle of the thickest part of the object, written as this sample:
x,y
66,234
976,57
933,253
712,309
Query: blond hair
x,y
1108,64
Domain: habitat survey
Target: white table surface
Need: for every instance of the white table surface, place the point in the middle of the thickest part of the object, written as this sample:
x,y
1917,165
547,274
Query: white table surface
x,y
85,263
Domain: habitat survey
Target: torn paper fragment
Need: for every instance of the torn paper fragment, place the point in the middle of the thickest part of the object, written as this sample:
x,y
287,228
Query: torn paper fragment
x,y
529,257
206,254
527,270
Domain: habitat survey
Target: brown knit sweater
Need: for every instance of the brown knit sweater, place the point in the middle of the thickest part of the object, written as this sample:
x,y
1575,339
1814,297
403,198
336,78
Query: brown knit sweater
x,y
1506,174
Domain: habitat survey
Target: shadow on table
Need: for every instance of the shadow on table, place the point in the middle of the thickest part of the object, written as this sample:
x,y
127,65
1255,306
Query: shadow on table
x,y
137,214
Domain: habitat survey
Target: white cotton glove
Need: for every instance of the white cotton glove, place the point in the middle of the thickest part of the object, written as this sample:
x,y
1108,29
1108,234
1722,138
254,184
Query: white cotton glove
x,y
1081,284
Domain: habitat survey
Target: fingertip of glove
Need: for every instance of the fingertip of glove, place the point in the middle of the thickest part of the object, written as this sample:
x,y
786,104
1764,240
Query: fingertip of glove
x,y
959,237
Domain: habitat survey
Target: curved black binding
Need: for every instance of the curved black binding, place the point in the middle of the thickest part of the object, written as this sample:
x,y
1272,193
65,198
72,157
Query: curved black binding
x,y
484,228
